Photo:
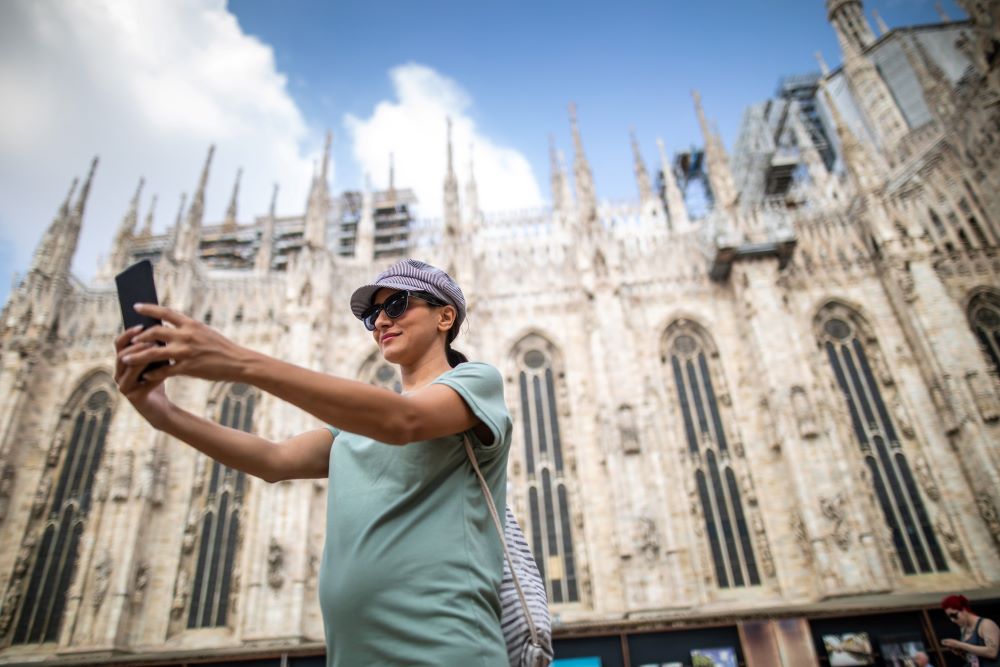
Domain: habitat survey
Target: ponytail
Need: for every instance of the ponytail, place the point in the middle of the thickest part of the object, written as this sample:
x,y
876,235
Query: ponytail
x,y
454,356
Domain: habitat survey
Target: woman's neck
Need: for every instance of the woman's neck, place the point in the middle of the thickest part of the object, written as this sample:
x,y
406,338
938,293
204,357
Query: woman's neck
x,y
423,372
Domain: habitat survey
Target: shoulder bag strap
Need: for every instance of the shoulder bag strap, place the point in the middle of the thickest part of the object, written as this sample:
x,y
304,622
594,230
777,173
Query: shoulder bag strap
x,y
503,542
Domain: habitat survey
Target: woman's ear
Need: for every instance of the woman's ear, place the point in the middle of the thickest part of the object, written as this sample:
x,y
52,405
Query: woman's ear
x,y
446,318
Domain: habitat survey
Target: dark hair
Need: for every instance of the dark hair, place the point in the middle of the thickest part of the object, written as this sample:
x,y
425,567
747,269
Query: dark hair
x,y
454,356
959,602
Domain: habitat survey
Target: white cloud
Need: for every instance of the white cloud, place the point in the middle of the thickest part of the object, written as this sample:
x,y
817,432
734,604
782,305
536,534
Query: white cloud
x,y
147,86
413,128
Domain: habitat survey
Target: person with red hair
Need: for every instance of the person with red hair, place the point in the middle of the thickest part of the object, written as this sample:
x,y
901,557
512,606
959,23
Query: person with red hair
x,y
980,636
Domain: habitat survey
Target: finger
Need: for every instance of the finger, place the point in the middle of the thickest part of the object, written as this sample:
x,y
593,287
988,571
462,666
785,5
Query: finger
x,y
123,339
161,312
144,357
156,333
129,380
161,374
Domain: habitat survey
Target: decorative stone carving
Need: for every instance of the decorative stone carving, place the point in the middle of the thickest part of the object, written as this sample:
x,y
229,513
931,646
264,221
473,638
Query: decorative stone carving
x,y
6,488
55,451
804,414
181,593
190,531
146,474
903,420
983,395
628,431
102,478
159,494
951,543
41,499
646,538
767,422
139,583
123,476
988,510
833,509
23,557
801,533
275,563
924,478
746,484
10,605
102,580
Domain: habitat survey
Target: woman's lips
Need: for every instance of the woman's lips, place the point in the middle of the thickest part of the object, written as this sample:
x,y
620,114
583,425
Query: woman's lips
x,y
386,338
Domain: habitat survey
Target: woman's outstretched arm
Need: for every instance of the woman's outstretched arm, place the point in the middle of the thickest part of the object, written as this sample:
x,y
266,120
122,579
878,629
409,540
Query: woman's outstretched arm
x,y
303,456
200,351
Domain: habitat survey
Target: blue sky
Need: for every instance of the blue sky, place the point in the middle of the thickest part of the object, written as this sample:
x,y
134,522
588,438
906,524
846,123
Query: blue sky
x,y
624,64
149,85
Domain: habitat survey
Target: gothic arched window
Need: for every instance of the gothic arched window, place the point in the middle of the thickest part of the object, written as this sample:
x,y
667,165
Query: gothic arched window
x,y
895,489
220,499
76,455
381,373
726,524
984,316
550,520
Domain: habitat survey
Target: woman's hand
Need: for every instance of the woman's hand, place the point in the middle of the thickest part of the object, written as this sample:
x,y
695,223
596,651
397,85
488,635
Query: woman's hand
x,y
195,350
147,396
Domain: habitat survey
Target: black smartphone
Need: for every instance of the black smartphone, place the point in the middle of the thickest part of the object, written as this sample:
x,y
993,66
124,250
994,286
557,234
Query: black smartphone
x,y
135,285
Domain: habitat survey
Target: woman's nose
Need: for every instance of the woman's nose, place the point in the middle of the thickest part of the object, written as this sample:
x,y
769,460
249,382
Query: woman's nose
x,y
382,320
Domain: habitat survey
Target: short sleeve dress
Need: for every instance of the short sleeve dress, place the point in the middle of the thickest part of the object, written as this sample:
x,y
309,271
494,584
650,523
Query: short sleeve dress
x,y
412,563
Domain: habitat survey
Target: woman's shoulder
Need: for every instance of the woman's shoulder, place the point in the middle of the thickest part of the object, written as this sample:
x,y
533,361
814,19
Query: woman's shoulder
x,y
475,369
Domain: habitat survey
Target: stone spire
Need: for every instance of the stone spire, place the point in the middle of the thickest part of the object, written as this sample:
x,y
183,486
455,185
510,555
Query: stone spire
x,y
848,19
451,206
318,205
719,174
556,176
879,23
45,253
641,175
938,91
126,232
188,240
265,253
71,232
230,221
392,176
586,196
676,209
823,67
147,226
939,8
364,244
472,212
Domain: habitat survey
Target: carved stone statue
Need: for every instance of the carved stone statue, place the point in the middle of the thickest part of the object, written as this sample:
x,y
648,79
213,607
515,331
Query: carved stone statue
x,y
102,580
190,531
903,420
181,593
798,526
41,499
646,538
6,488
55,451
10,605
804,414
924,478
988,510
951,543
102,478
628,431
140,583
833,509
275,562
123,476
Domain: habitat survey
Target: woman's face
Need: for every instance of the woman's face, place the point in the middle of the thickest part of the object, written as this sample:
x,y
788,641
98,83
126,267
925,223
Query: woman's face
x,y
406,338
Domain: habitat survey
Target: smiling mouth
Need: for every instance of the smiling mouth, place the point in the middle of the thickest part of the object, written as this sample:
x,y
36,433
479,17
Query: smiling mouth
x,y
388,337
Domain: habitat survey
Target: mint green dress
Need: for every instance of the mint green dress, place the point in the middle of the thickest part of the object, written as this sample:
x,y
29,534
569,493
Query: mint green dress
x,y
412,563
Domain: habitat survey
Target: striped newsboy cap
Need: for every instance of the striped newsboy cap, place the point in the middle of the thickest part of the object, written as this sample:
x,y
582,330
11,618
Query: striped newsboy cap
x,y
413,275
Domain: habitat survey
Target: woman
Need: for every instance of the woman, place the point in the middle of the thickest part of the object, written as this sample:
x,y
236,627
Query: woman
x,y
412,563
980,636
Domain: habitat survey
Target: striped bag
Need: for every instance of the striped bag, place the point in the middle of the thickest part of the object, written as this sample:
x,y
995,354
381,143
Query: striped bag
x,y
525,621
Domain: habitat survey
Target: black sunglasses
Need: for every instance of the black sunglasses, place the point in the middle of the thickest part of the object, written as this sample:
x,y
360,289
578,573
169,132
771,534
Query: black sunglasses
x,y
952,614
395,306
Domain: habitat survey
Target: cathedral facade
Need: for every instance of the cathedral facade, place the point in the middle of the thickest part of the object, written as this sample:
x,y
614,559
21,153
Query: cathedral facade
x,y
783,406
